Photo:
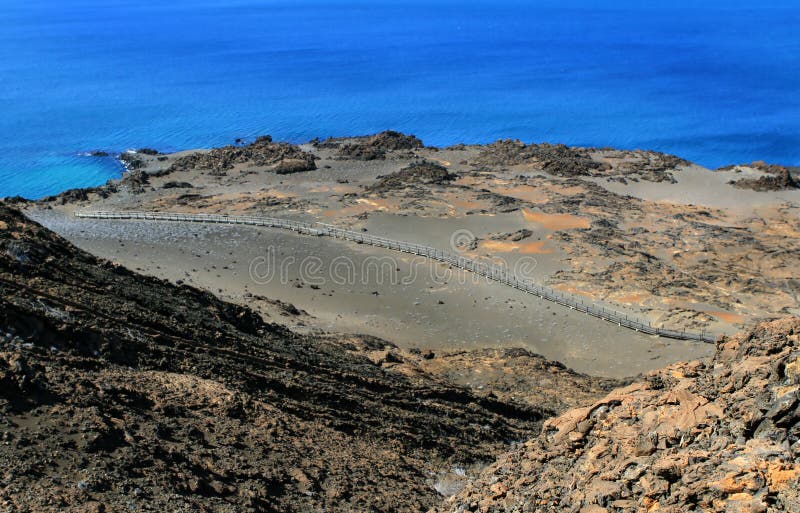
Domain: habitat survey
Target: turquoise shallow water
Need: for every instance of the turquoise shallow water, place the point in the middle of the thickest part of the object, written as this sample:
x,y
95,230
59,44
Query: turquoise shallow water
x,y
717,83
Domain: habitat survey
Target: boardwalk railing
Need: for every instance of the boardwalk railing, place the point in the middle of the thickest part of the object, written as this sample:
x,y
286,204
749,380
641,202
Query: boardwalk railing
x,y
490,271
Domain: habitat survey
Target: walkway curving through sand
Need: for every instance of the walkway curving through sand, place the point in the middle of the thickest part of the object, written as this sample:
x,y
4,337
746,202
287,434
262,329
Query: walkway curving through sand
x,y
490,271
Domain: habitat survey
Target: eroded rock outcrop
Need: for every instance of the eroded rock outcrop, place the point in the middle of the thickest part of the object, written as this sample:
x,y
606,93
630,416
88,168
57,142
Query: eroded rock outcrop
x,y
416,174
570,161
775,178
283,158
556,159
371,147
721,435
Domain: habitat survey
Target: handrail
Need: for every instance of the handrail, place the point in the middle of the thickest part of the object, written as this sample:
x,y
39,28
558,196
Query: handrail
x,y
490,271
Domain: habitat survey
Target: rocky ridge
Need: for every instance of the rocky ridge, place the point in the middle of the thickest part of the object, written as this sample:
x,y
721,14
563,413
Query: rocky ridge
x,y
569,161
775,178
371,147
718,435
415,175
282,158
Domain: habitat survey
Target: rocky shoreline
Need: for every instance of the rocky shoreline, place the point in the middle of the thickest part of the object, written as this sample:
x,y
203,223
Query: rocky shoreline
x,y
555,159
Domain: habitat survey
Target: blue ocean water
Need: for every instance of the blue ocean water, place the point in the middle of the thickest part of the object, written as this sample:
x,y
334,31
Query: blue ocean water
x,y
716,83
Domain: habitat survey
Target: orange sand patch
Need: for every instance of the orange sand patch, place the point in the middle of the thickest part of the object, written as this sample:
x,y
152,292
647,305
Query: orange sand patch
x,y
467,203
780,477
527,193
463,201
363,205
466,180
671,301
573,290
568,191
276,194
630,298
527,248
535,248
779,226
345,211
377,203
499,246
730,318
555,221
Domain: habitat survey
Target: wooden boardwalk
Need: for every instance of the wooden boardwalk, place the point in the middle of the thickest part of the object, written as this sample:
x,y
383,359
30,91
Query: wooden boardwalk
x,y
490,271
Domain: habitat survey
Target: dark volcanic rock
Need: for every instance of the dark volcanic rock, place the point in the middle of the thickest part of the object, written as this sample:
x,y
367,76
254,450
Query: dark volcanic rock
x,y
371,147
78,195
135,181
415,174
122,392
177,185
293,165
68,196
516,236
131,160
15,200
281,157
567,161
556,159
776,178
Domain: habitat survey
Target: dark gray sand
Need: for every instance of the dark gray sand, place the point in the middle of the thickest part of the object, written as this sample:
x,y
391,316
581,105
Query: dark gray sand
x,y
359,289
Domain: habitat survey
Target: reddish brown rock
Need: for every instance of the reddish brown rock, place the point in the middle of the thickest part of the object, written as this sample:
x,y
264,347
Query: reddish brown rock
x,y
723,435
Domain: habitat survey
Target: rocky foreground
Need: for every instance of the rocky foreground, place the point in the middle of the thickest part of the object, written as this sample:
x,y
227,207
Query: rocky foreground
x,y
720,435
121,392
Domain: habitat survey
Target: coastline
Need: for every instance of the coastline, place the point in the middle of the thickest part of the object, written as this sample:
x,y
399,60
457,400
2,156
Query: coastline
x,y
593,307
125,159
635,229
